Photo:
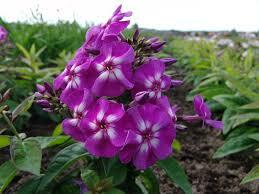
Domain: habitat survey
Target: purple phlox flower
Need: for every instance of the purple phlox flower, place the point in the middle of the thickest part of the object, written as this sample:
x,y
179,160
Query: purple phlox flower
x,y
203,113
104,136
74,77
155,44
3,34
168,61
81,184
149,136
111,30
79,103
113,69
150,78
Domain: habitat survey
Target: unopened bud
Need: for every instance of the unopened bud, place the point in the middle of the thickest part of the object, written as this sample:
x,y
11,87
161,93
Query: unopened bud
x,y
176,82
168,61
40,88
136,35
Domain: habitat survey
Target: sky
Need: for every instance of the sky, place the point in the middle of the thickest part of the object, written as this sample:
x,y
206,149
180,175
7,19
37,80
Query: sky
x,y
210,15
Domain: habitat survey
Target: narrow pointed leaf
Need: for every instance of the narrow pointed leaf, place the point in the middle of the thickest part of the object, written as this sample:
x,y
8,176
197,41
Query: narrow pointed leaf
x,y
7,172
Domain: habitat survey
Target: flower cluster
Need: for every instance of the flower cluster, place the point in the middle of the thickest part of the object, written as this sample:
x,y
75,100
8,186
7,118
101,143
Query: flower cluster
x,y
3,34
106,69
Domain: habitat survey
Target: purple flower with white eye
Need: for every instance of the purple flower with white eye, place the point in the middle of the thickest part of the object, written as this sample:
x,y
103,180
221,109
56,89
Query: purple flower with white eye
x,y
150,78
80,101
104,137
111,30
3,34
113,69
149,136
203,113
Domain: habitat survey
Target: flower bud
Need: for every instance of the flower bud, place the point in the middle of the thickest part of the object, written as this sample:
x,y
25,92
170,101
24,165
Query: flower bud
x,y
136,35
48,87
43,103
40,88
168,61
176,82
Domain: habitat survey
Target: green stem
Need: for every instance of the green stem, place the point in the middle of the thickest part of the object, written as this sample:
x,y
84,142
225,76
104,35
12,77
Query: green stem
x,y
11,125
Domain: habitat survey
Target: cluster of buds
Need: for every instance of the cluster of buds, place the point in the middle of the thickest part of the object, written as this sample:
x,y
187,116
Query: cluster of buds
x,y
146,47
94,83
48,99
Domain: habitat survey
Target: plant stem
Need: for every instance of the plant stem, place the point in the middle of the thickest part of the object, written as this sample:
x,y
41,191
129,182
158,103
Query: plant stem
x,y
11,125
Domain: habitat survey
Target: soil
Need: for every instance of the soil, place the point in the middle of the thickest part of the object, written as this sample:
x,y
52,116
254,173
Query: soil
x,y
207,175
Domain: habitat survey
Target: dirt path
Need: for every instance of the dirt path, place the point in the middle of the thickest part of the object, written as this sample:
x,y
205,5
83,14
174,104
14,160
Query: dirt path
x,y
207,175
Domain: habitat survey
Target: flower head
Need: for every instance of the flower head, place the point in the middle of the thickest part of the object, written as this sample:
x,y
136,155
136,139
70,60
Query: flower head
x,y
113,69
3,34
104,136
149,136
150,78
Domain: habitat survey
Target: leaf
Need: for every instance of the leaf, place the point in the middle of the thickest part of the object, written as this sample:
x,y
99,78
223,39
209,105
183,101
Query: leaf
x,y
23,107
114,191
252,175
176,173
61,161
30,187
149,181
4,141
228,123
243,118
58,130
117,171
230,101
253,105
254,136
46,142
7,173
26,155
234,145
90,178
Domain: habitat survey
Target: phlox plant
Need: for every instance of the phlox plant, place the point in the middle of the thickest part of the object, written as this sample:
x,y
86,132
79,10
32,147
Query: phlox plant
x,y
117,120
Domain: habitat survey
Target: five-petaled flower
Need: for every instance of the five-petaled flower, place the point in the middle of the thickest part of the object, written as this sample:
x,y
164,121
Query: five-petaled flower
x,y
149,136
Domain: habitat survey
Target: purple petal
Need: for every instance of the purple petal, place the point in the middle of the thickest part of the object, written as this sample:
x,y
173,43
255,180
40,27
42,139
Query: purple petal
x,y
215,124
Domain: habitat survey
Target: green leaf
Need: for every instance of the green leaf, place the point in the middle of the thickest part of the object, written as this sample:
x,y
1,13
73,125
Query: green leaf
x,y
23,107
114,191
234,145
252,175
228,123
243,118
254,136
7,172
4,141
149,181
176,173
230,101
61,161
117,171
46,142
253,105
26,155
58,130
90,178
30,187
